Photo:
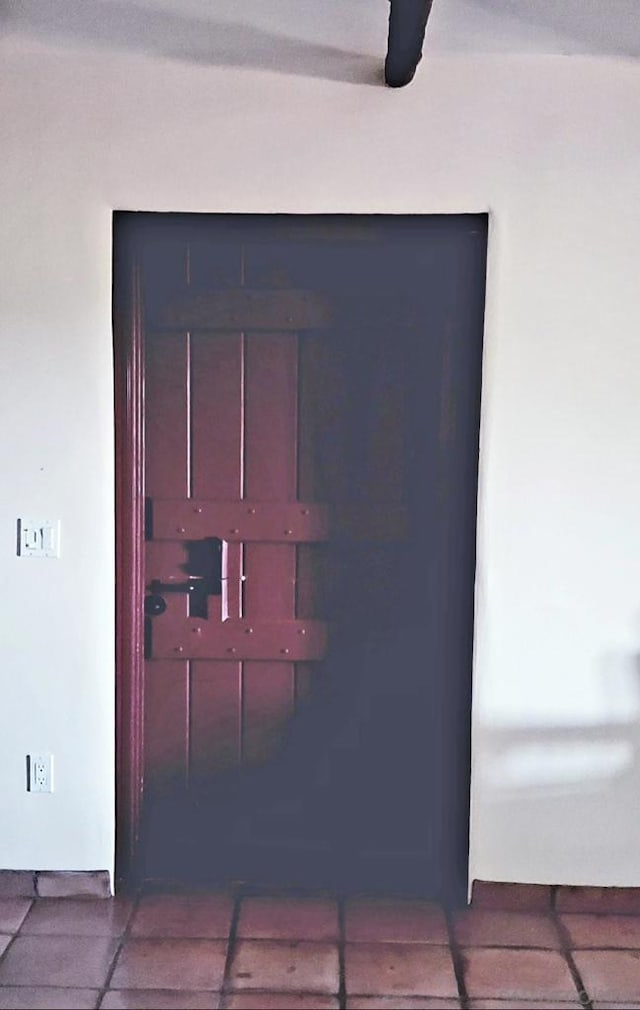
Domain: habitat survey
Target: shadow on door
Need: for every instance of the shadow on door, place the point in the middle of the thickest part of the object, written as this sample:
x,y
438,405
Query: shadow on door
x,y
298,414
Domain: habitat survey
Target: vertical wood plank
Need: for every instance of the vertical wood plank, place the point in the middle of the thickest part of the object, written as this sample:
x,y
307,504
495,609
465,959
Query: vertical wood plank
x,y
355,359
386,416
311,584
216,415
166,474
269,590
305,674
329,464
324,397
167,415
271,417
271,449
215,718
320,391
166,719
231,600
267,707
271,453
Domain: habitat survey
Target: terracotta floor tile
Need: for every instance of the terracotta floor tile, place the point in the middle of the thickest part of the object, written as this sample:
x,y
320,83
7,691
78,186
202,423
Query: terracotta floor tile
x,y
378,921
501,1004
279,1001
601,931
620,900
30,997
194,916
278,966
517,974
81,961
615,1006
515,897
73,884
159,999
12,912
17,884
288,919
479,927
408,969
401,1003
610,975
170,964
77,917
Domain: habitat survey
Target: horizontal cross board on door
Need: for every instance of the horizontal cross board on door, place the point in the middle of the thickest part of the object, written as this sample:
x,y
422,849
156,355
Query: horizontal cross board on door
x,y
274,522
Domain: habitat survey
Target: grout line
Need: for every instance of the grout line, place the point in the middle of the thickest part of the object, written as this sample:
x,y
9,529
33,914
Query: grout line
x,y
342,983
458,962
124,936
16,932
565,949
8,947
231,945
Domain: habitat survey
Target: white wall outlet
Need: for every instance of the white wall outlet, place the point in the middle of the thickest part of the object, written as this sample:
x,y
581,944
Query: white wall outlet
x,y
40,773
39,538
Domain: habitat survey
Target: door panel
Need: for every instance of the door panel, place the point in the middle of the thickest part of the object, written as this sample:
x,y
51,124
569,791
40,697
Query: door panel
x,y
216,718
222,462
300,440
216,377
271,423
167,435
166,726
268,700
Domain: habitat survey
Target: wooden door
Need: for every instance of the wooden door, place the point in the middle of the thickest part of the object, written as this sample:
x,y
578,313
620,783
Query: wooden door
x,y
298,419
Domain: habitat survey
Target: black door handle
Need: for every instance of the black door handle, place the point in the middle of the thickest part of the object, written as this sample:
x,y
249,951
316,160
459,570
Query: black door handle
x,y
204,560
196,586
154,605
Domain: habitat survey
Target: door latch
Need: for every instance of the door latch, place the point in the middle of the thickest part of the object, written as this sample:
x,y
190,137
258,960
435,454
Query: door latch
x,y
204,565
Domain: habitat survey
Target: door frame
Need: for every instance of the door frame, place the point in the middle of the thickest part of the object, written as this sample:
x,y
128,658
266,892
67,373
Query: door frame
x,y
460,394
128,346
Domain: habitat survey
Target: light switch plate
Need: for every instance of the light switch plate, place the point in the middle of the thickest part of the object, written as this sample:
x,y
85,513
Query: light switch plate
x,y
39,538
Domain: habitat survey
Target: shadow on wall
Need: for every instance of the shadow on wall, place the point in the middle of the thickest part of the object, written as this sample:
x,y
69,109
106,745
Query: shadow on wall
x,y
610,28
559,803
564,797
121,26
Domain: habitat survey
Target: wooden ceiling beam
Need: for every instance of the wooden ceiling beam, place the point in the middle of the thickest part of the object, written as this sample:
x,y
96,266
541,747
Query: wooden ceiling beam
x,y
407,27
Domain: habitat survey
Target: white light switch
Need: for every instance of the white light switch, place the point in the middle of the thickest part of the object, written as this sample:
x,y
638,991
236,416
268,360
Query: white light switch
x,y
39,538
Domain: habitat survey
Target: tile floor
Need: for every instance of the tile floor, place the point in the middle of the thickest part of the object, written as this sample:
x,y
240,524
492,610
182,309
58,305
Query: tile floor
x,y
236,952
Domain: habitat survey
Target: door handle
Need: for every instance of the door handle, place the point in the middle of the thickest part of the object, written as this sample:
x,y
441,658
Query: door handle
x,y
155,603
196,586
204,558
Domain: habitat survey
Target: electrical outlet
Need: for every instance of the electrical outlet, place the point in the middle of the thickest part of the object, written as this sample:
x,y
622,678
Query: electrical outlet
x,y
40,773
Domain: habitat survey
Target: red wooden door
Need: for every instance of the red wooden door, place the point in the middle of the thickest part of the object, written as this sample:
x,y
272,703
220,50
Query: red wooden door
x,y
297,390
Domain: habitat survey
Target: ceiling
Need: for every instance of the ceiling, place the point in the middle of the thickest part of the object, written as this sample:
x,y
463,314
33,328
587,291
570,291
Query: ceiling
x,y
303,36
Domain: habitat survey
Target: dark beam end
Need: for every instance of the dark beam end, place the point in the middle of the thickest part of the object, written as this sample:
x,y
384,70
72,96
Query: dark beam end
x,y
407,27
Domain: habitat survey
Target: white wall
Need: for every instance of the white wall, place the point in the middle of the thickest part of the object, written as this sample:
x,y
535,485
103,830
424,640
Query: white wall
x,y
551,147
